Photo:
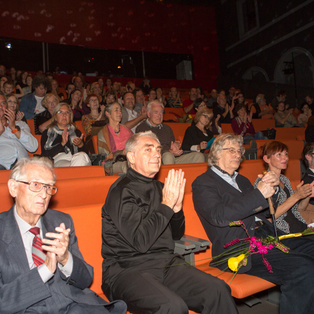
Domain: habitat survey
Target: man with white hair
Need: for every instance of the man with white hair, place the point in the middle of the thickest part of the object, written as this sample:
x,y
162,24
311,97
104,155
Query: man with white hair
x,y
171,149
222,196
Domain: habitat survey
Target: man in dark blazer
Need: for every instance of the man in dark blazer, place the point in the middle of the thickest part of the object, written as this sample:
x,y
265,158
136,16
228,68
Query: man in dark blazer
x,y
221,196
60,284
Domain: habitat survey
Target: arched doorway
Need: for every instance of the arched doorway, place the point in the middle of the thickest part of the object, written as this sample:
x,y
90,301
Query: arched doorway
x,y
303,63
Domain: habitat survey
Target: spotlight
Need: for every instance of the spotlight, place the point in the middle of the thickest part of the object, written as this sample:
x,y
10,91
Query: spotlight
x,y
8,46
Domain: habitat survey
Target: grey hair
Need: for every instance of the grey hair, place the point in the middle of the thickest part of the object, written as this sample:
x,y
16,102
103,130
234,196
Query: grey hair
x,y
132,143
108,107
18,171
154,102
218,144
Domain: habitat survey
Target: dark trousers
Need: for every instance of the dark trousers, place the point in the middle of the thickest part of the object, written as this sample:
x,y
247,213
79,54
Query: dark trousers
x,y
293,271
171,286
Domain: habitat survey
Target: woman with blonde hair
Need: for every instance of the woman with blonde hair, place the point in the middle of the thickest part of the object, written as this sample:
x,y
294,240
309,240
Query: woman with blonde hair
x,y
95,89
199,134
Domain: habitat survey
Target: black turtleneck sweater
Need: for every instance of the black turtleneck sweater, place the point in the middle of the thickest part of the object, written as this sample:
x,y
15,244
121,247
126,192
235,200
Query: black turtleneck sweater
x,y
135,225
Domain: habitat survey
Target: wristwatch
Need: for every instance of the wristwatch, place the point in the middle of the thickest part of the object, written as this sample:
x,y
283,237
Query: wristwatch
x,y
17,128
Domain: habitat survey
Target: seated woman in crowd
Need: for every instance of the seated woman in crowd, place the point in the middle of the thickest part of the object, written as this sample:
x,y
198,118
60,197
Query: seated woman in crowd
x,y
199,133
110,98
3,79
62,142
305,115
238,99
94,121
29,85
108,86
13,104
242,125
284,118
160,96
22,79
55,89
199,103
76,104
290,203
96,90
112,137
152,95
44,119
174,99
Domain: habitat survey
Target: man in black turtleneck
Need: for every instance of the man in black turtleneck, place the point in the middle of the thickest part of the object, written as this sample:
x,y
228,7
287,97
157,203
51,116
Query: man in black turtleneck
x,y
141,219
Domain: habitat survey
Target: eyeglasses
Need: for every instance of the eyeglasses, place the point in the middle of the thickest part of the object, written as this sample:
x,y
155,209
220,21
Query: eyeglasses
x,y
35,186
64,112
233,151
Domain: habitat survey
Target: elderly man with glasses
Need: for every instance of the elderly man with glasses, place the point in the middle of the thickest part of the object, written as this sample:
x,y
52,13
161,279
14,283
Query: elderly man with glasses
x,y
41,267
222,196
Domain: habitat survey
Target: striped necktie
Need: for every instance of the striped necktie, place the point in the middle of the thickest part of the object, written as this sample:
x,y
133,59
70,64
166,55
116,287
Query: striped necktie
x,y
38,254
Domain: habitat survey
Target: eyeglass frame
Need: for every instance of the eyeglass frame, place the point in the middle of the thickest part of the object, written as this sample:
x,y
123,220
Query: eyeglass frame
x,y
233,151
64,112
43,185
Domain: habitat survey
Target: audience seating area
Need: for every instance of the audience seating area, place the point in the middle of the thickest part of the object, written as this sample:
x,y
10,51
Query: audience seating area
x,y
82,192
82,195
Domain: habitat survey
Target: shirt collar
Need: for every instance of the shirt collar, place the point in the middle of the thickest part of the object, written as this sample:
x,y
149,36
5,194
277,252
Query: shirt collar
x,y
159,126
23,225
234,175
230,179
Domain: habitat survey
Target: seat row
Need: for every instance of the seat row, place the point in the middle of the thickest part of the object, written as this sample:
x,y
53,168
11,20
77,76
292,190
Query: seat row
x,y
82,192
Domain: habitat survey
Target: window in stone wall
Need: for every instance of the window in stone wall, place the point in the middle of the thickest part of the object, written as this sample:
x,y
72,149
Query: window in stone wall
x,y
248,21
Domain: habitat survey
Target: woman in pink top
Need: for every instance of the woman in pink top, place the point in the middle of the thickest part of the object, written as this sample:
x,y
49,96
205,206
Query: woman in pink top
x,y
112,137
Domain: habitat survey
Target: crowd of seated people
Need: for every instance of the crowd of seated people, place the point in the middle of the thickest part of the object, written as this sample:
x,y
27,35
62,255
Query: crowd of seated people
x,y
66,146
133,101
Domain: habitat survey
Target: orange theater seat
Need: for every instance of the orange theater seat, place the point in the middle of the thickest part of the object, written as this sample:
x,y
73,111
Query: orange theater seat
x,y
242,285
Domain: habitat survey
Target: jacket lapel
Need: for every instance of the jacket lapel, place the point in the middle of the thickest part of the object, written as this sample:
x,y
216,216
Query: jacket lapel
x,y
15,246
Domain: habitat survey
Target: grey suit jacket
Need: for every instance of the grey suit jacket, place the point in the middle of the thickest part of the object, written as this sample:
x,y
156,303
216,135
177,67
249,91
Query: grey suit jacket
x,y
22,288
